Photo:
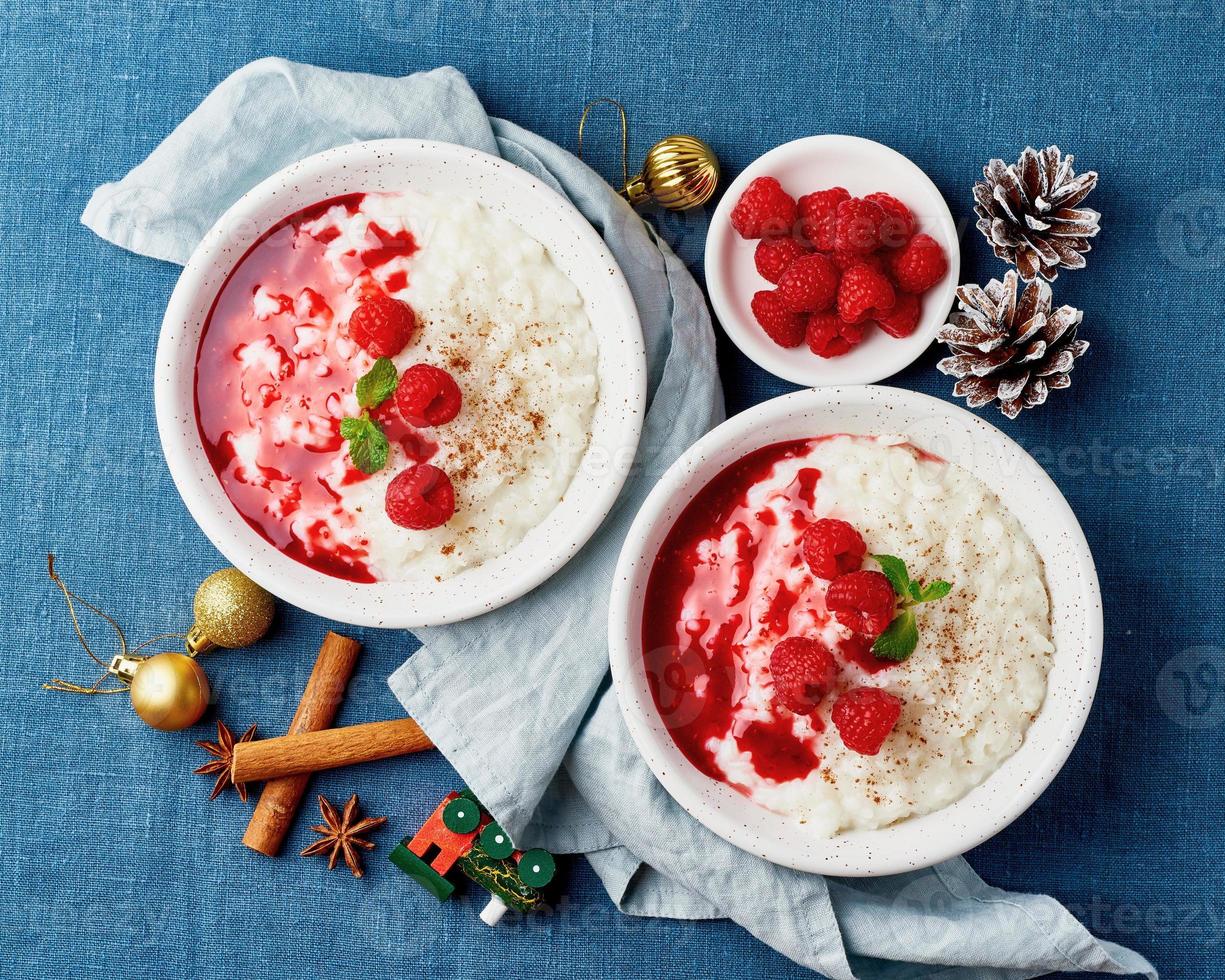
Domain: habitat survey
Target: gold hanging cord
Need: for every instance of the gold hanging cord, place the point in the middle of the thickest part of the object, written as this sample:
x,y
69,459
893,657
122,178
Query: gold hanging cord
x,y
56,684
625,174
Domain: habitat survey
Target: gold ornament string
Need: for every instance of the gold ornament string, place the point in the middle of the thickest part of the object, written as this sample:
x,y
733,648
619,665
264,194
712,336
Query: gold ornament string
x,y
625,174
56,684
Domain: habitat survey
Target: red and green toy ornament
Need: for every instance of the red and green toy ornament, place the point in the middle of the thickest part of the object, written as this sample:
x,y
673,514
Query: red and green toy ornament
x,y
461,835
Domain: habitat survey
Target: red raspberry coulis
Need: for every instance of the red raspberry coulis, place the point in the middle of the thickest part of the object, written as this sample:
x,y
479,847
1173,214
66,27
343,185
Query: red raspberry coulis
x,y
691,633
777,754
698,614
251,367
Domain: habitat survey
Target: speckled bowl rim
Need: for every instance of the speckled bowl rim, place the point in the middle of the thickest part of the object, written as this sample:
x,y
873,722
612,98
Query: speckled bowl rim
x,y
578,251
863,166
1076,615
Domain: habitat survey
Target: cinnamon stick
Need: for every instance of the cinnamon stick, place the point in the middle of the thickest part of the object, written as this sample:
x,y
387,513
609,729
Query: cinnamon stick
x,y
272,758
278,803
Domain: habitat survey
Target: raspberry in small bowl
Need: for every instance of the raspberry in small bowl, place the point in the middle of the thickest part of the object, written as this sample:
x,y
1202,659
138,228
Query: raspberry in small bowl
x,y
892,252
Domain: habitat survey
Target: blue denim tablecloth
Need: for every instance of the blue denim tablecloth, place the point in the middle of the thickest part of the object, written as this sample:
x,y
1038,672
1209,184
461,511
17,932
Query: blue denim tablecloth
x,y
116,864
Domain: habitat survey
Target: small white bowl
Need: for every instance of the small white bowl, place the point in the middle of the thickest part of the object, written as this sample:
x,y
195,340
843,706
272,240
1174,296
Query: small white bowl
x,y
389,165
802,166
1076,621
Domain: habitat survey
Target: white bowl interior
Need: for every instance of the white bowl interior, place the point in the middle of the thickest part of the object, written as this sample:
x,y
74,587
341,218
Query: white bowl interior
x,y
802,166
579,252
1076,615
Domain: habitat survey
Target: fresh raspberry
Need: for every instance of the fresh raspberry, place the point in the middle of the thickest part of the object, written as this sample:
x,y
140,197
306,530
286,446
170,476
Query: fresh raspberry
x,y
857,226
832,548
774,255
427,395
781,325
899,223
902,320
382,326
828,335
863,602
864,717
863,293
919,264
420,498
817,212
844,261
810,284
803,672
764,209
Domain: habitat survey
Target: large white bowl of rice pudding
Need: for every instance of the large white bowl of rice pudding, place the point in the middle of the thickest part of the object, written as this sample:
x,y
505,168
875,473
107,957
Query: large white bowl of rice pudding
x,y
855,630
400,383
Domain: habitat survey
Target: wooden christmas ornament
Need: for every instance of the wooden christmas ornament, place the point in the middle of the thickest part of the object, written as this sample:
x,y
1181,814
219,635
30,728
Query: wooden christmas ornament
x,y
461,835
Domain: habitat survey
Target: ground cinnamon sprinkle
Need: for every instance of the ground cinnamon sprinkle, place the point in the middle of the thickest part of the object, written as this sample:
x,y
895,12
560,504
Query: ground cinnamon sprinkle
x,y
505,421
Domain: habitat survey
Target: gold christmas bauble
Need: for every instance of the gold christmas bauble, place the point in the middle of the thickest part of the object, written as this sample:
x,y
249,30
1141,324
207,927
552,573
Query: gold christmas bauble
x,y
680,172
169,691
231,611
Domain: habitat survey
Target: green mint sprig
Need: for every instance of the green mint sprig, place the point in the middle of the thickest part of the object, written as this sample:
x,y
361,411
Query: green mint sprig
x,y
378,384
901,636
368,445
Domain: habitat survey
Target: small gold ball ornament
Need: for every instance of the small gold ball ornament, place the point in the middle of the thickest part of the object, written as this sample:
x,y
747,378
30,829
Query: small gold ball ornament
x,y
169,690
231,611
680,172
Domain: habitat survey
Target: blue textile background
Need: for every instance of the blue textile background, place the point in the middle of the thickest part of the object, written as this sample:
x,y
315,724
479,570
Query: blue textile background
x,y
115,863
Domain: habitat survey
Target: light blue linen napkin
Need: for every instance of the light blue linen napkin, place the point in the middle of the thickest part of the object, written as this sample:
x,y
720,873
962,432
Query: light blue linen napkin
x,y
519,700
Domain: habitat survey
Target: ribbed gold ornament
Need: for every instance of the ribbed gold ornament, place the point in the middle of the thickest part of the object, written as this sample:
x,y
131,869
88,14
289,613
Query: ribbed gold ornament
x,y
680,171
231,611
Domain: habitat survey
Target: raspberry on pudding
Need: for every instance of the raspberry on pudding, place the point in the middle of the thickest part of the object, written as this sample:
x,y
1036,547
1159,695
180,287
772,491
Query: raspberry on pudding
x,y
427,396
848,630
483,363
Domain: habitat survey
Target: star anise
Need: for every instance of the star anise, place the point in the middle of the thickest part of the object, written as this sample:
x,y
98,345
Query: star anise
x,y
222,751
341,834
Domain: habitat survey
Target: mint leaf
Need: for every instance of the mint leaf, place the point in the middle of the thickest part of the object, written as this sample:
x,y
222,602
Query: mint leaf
x,y
899,639
916,592
368,446
377,385
934,590
353,428
895,572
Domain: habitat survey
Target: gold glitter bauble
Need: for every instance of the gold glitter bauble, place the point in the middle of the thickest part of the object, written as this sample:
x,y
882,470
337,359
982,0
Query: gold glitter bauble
x,y
680,172
169,691
231,611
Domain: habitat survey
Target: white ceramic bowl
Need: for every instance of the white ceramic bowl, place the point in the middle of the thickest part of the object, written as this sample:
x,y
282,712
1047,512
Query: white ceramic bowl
x,y
580,253
1076,619
811,164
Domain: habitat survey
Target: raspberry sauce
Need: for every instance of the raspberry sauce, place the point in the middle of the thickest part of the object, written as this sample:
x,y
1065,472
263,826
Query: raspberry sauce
x,y
697,615
275,372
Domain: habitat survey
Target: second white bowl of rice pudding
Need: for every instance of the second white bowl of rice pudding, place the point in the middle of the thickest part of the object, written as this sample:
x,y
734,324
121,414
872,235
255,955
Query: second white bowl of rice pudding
x,y
855,630
400,383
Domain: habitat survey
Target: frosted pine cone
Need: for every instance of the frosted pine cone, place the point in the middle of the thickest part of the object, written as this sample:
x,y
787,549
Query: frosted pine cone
x,y
1027,211
1009,351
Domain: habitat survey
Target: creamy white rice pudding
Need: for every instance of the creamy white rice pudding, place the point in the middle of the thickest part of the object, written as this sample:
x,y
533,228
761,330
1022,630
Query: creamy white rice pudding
x,y
731,582
278,364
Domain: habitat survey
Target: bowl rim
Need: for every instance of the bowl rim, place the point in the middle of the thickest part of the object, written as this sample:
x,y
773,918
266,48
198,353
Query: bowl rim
x,y
547,546
915,842
799,365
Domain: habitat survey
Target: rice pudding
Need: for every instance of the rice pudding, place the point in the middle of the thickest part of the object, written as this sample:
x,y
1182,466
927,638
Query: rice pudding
x,y
733,601
487,311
